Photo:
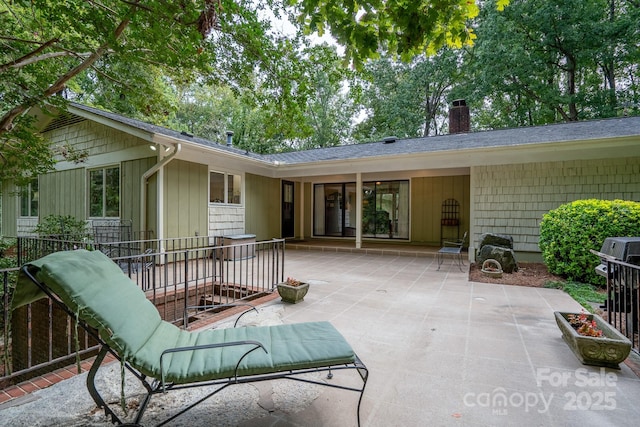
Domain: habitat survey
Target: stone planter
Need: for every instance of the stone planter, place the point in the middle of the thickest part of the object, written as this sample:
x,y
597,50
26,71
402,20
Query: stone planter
x,y
292,294
608,350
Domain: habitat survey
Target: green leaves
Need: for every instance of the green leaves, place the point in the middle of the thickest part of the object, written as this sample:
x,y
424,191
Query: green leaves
x,y
568,232
399,27
114,54
543,61
407,99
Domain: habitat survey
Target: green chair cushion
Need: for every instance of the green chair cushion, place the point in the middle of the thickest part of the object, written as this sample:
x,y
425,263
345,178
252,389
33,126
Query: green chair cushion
x,y
96,289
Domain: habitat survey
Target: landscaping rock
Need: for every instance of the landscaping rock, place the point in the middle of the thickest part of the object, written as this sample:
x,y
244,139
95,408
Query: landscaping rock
x,y
505,256
501,240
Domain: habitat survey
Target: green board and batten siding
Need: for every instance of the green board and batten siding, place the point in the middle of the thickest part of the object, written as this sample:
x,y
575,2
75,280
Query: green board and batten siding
x,y
131,172
427,195
262,206
63,193
186,187
9,210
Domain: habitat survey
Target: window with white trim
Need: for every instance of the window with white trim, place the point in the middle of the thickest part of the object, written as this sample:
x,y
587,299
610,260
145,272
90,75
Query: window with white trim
x,y
104,192
225,188
29,199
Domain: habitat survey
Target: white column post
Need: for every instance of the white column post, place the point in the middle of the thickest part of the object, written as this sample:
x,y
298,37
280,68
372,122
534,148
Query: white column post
x,y
358,210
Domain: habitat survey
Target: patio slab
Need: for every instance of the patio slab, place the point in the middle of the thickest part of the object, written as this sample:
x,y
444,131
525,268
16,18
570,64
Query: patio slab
x,y
441,351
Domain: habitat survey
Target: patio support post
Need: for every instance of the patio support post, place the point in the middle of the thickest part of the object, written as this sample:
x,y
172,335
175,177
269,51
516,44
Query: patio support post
x,y
358,210
301,214
471,252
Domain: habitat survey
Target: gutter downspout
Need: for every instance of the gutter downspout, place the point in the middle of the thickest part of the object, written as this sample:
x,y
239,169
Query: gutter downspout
x,y
143,185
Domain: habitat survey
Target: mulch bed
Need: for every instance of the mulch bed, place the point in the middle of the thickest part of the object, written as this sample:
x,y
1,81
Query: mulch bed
x,y
531,274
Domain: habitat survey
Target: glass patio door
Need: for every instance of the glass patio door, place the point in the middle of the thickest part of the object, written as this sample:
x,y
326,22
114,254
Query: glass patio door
x,y
334,210
385,209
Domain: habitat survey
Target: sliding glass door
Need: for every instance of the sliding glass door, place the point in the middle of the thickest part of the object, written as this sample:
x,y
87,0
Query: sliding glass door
x,y
334,210
385,210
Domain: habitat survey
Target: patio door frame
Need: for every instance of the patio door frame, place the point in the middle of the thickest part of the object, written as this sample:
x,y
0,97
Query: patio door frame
x,y
288,209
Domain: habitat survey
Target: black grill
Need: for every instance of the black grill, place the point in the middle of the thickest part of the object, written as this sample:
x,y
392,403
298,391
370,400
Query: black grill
x,y
625,249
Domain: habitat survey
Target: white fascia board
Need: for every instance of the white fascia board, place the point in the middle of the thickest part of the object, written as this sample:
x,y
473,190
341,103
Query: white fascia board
x,y
382,176
466,158
212,156
556,151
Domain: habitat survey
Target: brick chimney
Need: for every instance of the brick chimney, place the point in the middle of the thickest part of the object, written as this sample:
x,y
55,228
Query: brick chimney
x,y
459,117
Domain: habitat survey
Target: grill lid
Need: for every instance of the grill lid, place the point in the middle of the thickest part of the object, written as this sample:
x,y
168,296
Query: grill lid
x,y
622,248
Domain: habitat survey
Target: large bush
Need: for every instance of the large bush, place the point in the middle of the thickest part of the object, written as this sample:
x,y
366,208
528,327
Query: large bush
x,y
568,232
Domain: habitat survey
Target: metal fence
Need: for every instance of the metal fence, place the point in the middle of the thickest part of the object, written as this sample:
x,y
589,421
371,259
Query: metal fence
x,y
623,299
186,279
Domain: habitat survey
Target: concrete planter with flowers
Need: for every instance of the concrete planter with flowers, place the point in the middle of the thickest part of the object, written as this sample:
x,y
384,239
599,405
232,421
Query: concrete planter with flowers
x,y
592,339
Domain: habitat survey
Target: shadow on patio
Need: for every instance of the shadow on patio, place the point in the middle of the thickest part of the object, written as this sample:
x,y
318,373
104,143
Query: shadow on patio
x,y
442,351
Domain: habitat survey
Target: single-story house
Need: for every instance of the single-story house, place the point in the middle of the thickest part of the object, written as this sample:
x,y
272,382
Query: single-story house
x,y
412,191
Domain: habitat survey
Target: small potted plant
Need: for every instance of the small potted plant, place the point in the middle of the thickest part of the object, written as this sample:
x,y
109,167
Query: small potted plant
x,y
592,340
292,290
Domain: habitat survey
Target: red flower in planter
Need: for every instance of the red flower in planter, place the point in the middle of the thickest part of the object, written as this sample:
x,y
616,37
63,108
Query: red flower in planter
x,y
583,325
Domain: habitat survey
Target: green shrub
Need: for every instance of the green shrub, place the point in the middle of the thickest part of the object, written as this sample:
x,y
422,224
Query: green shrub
x,y
8,260
63,227
568,232
5,244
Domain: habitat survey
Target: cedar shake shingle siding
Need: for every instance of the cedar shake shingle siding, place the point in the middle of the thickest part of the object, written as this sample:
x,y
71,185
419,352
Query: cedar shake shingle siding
x,y
511,199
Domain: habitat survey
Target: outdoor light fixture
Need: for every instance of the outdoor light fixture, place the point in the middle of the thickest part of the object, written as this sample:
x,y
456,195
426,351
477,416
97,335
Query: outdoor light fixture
x,y
155,148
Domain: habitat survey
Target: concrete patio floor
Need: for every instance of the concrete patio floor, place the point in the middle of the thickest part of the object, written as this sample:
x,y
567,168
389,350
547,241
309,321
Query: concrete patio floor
x,y
441,351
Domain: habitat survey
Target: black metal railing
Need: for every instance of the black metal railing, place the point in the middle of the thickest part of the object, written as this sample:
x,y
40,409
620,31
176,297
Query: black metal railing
x,y
623,299
187,279
29,248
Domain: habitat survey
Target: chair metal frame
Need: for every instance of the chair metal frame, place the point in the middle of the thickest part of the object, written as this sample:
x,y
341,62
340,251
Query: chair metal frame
x,y
155,386
454,249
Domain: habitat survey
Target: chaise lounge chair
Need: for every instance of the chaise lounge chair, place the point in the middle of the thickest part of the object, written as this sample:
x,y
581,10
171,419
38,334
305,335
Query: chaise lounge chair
x,y
93,290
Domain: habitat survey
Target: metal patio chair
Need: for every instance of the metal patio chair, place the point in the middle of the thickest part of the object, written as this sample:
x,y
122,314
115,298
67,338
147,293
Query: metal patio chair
x,y
454,249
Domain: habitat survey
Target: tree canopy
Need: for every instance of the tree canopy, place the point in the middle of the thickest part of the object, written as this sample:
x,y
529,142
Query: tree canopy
x,y
407,99
562,61
400,27
124,46
134,50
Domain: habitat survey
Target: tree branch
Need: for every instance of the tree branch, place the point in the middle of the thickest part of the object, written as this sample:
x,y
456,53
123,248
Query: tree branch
x,y
26,61
6,122
16,63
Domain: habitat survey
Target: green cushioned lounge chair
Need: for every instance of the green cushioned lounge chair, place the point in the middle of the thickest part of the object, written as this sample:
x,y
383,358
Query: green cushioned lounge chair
x,y
93,289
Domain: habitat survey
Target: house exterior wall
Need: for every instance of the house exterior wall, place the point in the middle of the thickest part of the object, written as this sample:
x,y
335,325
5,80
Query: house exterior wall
x,y
152,207
64,191
185,201
427,195
308,210
226,220
92,137
511,199
262,201
131,173
9,214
